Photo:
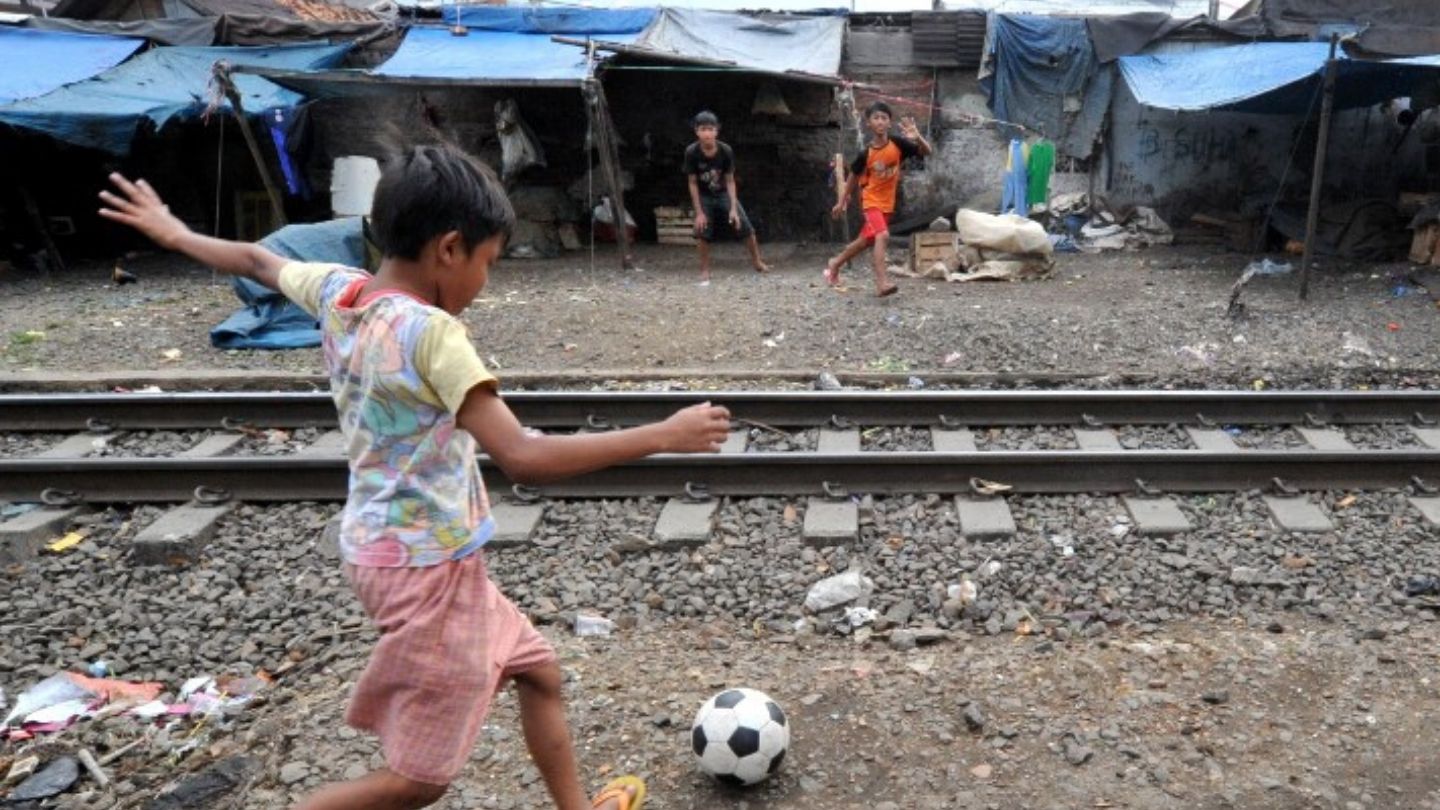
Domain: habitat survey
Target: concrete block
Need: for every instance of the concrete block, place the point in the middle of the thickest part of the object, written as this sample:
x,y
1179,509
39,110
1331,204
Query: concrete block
x,y
77,445
1429,508
515,523
685,522
838,441
22,536
831,523
1211,439
216,444
952,441
1324,438
178,536
1097,440
984,517
1298,514
1430,437
1156,516
332,443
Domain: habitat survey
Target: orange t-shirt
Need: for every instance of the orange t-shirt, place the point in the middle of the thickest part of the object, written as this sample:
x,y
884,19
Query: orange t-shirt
x,y
879,171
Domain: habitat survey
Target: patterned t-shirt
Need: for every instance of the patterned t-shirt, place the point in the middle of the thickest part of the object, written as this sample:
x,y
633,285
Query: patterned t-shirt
x,y
399,372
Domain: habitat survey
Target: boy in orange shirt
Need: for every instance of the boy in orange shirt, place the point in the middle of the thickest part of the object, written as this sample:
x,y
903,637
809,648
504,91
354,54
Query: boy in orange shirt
x,y
876,171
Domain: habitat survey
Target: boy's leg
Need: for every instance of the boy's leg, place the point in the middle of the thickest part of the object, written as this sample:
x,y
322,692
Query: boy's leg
x,y
832,267
883,285
547,735
542,715
703,247
746,231
379,790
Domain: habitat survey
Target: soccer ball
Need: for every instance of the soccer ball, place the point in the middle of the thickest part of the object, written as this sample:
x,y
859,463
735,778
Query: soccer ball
x,y
740,736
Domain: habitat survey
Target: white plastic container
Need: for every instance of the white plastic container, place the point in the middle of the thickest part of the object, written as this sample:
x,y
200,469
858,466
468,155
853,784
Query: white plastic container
x,y
352,185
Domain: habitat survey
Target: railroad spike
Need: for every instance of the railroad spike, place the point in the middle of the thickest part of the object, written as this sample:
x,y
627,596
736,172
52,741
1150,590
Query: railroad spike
x,y
1145,490
834,491
1421,420
1421,486
524,494
1282,487
697,493
1311,420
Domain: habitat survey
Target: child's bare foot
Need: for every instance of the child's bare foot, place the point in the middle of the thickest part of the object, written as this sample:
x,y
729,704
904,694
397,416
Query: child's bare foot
x,y
624,793
891,290
762,267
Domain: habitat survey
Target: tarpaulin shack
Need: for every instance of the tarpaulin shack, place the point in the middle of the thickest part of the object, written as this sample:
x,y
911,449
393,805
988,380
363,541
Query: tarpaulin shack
x,y
104,114
491,49
1278,78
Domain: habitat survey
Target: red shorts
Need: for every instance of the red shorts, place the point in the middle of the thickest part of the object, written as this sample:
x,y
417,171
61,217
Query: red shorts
x,y
877,222
448,641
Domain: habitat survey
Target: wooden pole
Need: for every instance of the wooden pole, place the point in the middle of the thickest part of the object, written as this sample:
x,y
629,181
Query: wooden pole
x,y
221,73
598,112
1317,176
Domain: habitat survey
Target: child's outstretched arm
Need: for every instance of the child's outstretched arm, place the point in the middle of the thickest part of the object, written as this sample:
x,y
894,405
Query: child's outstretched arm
x,y
531,458
138,206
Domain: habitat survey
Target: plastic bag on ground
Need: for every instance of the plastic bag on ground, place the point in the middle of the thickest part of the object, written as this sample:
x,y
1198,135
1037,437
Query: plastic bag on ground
x,y
1006,233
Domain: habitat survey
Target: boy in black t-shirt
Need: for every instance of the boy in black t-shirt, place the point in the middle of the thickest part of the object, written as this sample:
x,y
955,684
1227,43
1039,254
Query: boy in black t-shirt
x,y
710,165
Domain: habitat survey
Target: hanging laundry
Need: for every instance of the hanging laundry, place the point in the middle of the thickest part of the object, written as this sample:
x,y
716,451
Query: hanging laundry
x,y
1038,168
1012,199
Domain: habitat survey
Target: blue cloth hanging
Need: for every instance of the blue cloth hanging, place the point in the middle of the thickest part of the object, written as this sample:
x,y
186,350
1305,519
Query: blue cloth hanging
x,y
1012,199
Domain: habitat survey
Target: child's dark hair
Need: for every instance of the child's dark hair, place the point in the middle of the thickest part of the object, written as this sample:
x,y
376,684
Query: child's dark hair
x,y
705,118
427,191
878,106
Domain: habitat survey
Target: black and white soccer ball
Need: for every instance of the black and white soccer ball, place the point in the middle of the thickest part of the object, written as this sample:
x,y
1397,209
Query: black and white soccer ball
x,y
740,736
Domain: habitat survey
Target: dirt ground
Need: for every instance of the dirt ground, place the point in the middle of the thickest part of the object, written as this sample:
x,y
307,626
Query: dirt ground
x,y
1157,316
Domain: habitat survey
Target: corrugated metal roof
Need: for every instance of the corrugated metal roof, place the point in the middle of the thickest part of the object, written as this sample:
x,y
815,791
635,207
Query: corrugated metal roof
x,y
948,38
1175,8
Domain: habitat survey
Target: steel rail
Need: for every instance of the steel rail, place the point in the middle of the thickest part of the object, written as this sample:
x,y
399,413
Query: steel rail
x,y
296,478
571,409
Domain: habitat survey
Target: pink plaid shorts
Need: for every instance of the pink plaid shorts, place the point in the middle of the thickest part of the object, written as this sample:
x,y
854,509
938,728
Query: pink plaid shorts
x,y
448,641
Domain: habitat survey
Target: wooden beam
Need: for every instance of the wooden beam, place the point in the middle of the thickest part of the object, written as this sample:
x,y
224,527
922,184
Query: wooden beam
x,y
1317,176
221,75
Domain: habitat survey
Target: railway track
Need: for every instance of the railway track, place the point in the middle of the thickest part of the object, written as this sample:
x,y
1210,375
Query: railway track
x,y
835,467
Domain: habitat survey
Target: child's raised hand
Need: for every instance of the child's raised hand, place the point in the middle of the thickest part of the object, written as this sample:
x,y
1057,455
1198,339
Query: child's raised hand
x,y
908,127
142,209
697,429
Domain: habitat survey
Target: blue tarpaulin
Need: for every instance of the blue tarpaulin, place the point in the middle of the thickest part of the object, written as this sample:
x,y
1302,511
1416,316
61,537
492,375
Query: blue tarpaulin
x,y
511,43
269,319
1046,78
160,84
1268,77
32,63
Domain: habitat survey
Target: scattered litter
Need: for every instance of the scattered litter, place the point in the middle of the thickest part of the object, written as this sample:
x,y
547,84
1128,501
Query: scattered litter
x,y
860,616
1200,353
10,510
953,358
915,383
990,569
1423,586
1393,326
52,780
921,666
1354,344
1119,530
593,625
1264,267
1345,502
54,690
68,541
171,354
838,590
1064,544
21,769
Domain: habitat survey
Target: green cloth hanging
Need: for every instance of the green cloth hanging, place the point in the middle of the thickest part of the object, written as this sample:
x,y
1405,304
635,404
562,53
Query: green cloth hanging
x,y
1041,163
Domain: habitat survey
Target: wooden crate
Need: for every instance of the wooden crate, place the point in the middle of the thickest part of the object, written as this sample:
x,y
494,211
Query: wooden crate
x,y
674,225
928,247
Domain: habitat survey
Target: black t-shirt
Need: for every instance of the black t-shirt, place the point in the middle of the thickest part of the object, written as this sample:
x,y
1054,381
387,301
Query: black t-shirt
x,y
710,170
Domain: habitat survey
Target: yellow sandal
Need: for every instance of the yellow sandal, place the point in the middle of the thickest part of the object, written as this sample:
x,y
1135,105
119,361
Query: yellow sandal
x,y
616,790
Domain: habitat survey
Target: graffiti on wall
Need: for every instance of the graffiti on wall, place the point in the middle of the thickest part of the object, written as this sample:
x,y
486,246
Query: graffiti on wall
x,y
1197,145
